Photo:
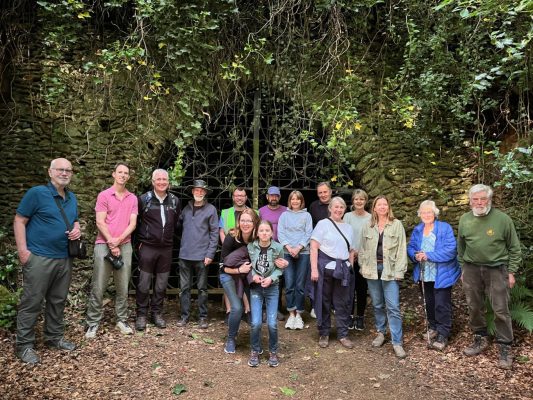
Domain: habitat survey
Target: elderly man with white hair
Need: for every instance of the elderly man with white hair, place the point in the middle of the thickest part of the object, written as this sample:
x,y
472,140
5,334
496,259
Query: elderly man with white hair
x,y
159,213
489,253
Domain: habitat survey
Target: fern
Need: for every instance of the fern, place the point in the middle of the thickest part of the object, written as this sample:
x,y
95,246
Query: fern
x,y
522,315
520,307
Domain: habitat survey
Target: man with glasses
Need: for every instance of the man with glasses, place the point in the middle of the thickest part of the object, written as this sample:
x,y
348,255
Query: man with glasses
x,y
228,216
489,254
116,218
42,244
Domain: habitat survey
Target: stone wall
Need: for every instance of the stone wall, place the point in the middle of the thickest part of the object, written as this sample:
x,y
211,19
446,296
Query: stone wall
x,y
95,130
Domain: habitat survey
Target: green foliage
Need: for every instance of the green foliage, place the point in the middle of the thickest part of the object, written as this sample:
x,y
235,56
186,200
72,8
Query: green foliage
x,y
8,304
520,307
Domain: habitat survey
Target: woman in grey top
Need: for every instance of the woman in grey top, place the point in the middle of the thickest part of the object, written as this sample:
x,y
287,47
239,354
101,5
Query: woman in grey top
x,y
294,232
358,218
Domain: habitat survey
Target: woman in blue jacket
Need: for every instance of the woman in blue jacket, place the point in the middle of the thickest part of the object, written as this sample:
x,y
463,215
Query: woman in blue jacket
x,y
433,249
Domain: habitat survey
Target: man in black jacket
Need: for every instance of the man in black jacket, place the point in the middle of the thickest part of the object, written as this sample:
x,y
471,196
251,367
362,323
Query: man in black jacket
x,y
159,212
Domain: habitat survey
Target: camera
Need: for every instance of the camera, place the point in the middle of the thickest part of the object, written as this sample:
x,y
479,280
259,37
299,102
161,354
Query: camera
x,y
116,262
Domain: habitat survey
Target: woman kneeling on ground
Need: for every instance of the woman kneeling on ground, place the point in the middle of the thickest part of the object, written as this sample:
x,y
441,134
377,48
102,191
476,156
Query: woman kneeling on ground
x,y
383,261
331,270
266,257
433,249
230,276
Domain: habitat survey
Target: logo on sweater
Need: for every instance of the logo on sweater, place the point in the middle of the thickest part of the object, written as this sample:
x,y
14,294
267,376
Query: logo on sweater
x,y
490,232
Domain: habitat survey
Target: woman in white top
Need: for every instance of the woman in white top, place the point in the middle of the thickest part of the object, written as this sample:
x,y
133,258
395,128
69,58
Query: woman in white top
x,y
331,271
358,218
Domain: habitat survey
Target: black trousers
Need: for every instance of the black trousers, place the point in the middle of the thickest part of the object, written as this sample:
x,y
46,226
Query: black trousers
x,y
439,308
152,261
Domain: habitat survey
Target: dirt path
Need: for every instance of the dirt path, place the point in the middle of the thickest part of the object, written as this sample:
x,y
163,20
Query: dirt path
x,y
149,366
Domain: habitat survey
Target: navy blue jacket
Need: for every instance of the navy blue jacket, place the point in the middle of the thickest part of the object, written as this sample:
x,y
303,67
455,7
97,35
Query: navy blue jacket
x,y
444,255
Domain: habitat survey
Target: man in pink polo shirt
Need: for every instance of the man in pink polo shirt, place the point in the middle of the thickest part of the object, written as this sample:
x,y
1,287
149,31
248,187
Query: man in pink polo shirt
x,y
116,218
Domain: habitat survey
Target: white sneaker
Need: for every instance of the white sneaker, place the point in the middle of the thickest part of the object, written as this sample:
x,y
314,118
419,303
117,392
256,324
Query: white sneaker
x,y
124,328
298,322
91,332
290,322
312,313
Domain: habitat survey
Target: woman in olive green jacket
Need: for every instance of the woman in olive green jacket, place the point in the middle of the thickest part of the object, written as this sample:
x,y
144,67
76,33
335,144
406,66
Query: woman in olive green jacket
x,y
383,260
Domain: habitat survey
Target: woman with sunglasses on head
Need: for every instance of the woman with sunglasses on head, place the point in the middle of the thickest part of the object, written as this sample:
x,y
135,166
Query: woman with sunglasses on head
x,y
232,276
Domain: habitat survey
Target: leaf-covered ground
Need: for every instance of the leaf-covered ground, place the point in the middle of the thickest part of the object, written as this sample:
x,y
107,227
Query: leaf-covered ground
x,y
189,363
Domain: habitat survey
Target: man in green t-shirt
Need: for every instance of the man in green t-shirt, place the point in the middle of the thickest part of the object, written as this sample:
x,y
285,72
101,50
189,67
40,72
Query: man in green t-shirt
x,y
489,253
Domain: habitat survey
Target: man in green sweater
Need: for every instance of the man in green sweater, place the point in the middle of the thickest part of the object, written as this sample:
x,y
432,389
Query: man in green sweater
x,y
489,253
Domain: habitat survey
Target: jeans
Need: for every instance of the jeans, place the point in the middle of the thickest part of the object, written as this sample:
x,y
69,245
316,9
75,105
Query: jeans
x,y
268,295
237,308
439,308
44,279
295,275
186,273
102,270
386,296
480,280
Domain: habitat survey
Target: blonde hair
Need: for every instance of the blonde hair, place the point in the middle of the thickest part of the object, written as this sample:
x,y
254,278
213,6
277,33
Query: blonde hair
x,y
299,196
390,214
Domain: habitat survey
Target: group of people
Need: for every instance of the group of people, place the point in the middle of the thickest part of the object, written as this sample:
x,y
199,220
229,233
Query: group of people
x,y
327,253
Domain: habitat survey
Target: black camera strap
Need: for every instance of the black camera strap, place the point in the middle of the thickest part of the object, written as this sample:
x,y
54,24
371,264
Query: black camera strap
x,y
63,214
342,234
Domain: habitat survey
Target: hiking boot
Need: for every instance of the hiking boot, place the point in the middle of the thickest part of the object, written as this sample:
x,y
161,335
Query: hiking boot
x,y
298,322
229,347
91,331
140,323
359,323
430,335
506,357
440,343
479,345
182,322
254,359
124,328
202,324
379,340
158,321
323,341
273,360
29,356
399,351
346,342
61,344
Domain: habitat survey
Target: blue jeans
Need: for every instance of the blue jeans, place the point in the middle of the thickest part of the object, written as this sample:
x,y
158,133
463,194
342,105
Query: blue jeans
x,y
295,275
268,295
386,295
237,308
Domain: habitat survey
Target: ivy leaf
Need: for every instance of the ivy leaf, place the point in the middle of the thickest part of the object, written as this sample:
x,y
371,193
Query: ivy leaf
x,y
179,389
464,13
287,391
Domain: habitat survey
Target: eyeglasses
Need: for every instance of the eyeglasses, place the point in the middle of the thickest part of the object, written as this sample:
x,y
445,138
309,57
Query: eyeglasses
x,y
63,170
246,221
